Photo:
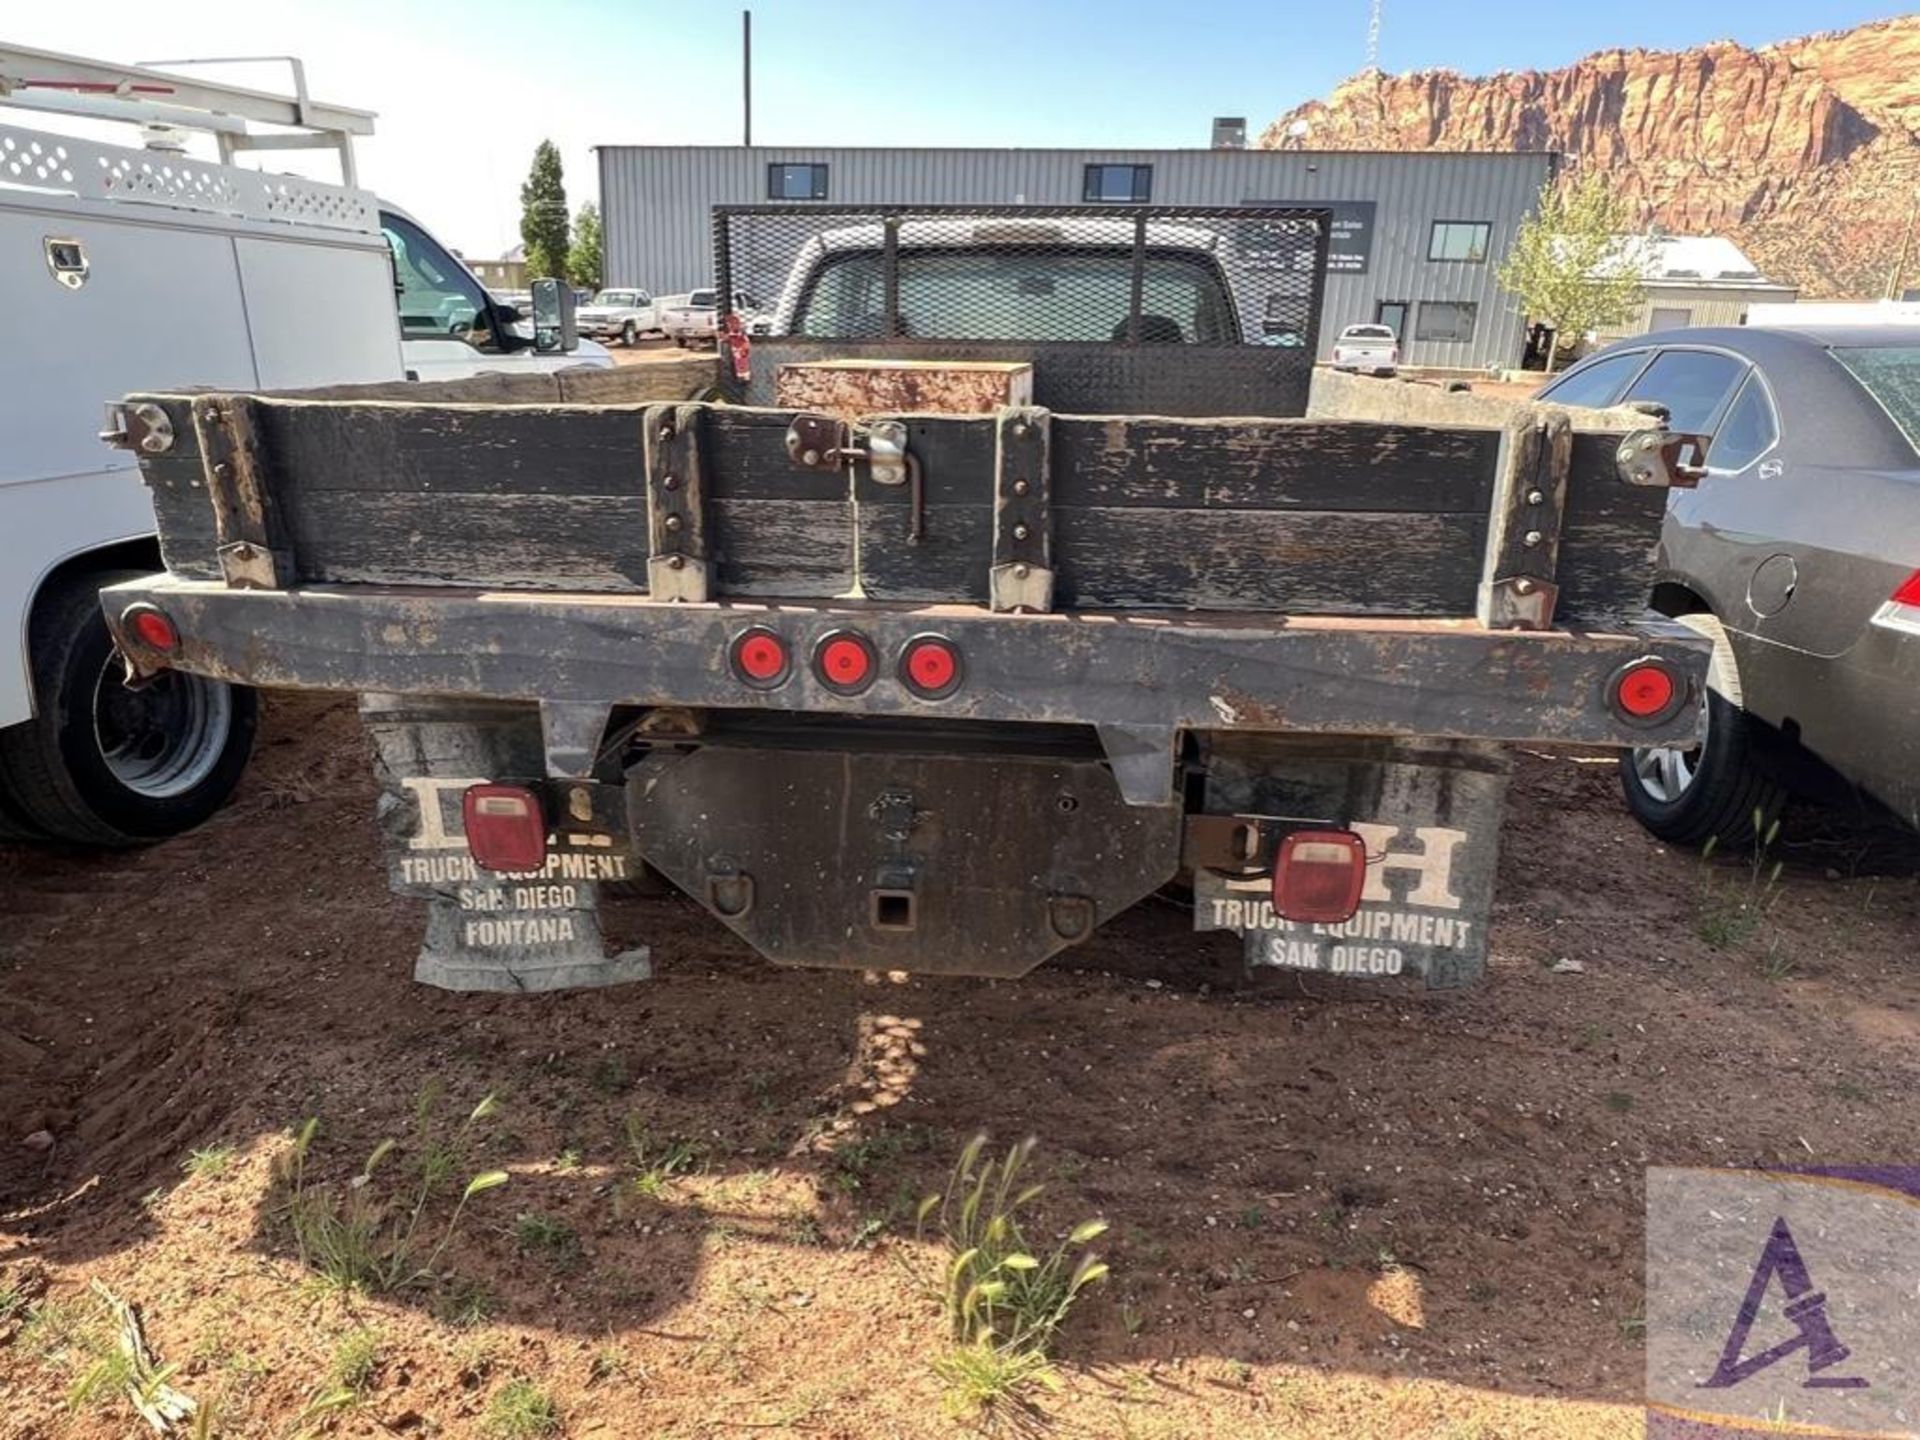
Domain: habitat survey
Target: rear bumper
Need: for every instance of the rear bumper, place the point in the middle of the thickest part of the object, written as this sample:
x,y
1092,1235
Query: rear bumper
x,y
1140,673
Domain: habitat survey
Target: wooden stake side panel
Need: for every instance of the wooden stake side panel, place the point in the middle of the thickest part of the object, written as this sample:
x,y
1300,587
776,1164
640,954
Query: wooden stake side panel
x,y
1274,516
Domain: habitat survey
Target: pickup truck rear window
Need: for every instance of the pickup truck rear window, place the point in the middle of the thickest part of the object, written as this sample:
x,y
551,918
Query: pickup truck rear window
x,y
1891,374
1042,295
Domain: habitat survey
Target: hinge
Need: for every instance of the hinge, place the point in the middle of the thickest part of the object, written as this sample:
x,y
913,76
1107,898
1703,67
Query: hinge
x,y
677,560
1022,573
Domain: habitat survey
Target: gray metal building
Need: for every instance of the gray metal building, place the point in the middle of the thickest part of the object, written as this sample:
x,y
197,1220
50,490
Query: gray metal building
x,y
1417,237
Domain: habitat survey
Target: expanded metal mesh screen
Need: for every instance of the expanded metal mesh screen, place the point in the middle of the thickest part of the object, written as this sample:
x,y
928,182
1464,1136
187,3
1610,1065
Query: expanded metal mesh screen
x,y
1119,308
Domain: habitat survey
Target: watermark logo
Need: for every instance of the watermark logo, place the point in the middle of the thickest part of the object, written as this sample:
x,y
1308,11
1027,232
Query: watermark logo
x,y
1783,1301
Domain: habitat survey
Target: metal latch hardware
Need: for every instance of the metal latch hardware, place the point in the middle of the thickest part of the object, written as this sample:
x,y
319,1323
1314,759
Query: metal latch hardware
x,y
822,442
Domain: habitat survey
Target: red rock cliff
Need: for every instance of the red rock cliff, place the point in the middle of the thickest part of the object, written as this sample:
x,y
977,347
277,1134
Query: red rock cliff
x,y
1806,152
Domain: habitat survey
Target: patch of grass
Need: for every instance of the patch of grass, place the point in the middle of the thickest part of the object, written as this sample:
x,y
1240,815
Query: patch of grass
x,y
464,1303
1252,1218
1633,1327
1732,911
361,1235
567,1161
609,1075
1618,1101
545,1236
209,1162
1132,1319
855,1161
1848,1090
356,1359
520,1410
983,1377
1004,1298
657,1165
56,1327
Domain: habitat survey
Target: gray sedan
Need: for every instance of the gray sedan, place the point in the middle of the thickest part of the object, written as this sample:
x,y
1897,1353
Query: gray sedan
x,y
1798,555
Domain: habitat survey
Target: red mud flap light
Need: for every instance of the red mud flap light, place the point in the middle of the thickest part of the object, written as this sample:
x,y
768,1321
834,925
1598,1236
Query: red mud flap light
x,y
148,625
505,828
1319,875
1647,692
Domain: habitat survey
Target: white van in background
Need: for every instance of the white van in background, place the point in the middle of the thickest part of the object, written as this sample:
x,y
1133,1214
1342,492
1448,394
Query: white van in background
x,y
146,268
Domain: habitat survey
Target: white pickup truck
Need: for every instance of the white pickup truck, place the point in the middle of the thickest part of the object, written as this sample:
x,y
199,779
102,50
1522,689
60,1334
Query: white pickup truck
x,y
623,315
694,322
1367,350
130,267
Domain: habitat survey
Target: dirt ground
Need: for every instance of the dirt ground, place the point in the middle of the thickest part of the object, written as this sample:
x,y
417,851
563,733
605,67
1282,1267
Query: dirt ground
x,y
1370,1212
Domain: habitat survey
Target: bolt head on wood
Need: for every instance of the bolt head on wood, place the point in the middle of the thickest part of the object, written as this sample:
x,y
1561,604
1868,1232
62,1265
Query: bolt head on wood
x,y
676,562
673,522
1020,532
1523,586
223,471
1019,487
669,483
1020,572
1534,537
1535,497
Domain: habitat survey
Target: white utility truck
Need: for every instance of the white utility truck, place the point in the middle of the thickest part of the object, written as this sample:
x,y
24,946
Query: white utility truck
x,y
133,267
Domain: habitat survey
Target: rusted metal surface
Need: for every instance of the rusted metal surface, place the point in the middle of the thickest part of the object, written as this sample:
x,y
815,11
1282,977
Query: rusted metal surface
x,y
1022,574
1662,459
893,861
1521,582
903,387
253,548
1170,672
677,562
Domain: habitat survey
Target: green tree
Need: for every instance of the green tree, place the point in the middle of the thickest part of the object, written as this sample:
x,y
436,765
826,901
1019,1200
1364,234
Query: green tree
x,y
543,215
1573,266
583,261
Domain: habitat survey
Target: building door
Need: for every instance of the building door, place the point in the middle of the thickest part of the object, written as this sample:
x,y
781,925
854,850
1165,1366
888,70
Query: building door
x,y
1669,317
1393,315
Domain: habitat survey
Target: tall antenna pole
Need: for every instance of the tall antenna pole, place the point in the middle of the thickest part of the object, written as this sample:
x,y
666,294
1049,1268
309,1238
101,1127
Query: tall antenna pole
x,y
746,76
1373,37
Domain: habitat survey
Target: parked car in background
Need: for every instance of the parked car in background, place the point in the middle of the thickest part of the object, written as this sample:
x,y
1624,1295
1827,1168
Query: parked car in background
x,y
1367,350
694,322
623,315
1798,556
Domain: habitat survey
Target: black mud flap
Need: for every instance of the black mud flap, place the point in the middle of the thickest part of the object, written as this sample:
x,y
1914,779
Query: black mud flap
x,y
1429,812
960,865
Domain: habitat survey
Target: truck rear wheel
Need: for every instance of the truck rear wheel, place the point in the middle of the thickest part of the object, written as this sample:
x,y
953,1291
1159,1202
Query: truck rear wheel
x,y
104,765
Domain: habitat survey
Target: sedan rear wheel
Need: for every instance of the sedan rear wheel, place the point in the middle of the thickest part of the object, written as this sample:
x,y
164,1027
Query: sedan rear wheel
x,y
1719,789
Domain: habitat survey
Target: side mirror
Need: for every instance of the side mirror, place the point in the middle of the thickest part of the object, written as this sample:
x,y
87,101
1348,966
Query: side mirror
x,y
553,328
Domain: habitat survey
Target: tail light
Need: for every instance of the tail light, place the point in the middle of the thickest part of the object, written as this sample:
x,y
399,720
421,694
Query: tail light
x,y
1647,691
760,658
1902,610
1319,875
505,827
149,625
930,667
844,662
1393,355
1909,591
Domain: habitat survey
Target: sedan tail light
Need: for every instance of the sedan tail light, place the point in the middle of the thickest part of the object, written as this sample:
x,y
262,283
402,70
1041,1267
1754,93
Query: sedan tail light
x,y
1902,610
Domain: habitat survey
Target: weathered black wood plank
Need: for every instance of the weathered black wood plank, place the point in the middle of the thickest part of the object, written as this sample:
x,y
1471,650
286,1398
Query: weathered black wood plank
x,y
1330,563
1271,464
182,509
775,548
1607,545
541,542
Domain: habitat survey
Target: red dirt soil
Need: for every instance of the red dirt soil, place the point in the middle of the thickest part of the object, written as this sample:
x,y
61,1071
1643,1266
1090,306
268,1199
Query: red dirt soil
x,y
1335,1211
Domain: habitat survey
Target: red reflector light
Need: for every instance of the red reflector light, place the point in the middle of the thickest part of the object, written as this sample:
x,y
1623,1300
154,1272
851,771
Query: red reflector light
x,y
1909,591
1645,690
760,658
844,662
505,828
150,628
1319,875
930,667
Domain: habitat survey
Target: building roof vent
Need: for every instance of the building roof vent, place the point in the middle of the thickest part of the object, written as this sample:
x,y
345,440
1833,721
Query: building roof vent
x,y
1229,132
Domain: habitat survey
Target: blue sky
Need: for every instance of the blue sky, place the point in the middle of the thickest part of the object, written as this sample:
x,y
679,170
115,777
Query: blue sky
x,y
465,90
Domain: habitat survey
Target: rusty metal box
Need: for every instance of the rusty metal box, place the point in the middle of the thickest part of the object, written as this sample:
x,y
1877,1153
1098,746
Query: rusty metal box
x,y
927,387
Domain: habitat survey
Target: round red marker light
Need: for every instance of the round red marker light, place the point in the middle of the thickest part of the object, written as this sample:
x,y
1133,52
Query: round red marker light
x,y
844,662
1644,691
151,628
760,658
930,667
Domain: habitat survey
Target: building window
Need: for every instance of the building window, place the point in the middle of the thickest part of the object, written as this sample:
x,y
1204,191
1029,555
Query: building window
x,y
1464,240
1449,321
796,182
1669,317
1120,184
